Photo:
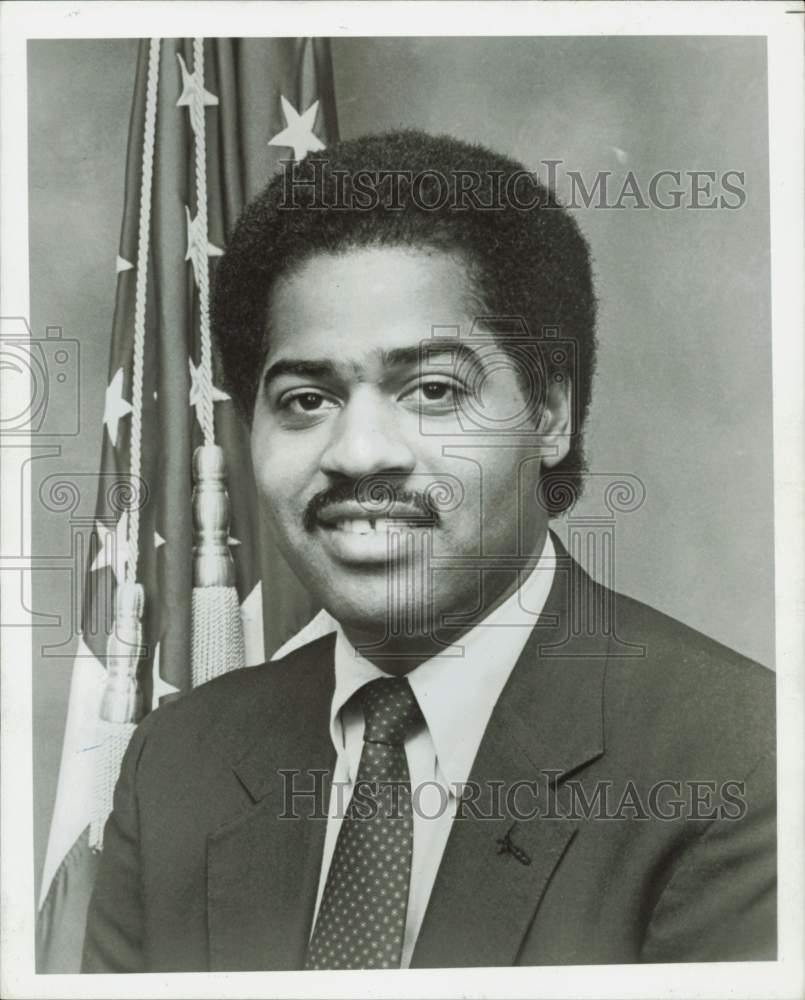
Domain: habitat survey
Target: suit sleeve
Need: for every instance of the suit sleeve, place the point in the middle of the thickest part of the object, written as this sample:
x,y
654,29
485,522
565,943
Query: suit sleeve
x,y
720,904
113,941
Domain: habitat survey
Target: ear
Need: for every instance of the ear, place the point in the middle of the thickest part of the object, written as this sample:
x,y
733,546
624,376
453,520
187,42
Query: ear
x,y
556,424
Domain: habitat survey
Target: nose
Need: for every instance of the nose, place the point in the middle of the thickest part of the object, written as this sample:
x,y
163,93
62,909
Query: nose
x,y
367,439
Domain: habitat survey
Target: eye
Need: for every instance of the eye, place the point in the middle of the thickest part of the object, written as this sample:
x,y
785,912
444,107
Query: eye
x,y
435,393
300,402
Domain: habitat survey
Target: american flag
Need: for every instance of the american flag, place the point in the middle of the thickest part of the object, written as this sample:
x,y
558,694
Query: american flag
x,y
252,104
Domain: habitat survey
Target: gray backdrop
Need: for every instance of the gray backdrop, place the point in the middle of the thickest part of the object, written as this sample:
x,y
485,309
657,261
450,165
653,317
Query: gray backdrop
x,y
683,393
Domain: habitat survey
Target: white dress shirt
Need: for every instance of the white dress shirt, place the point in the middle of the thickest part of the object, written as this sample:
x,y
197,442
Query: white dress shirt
x,y
456,690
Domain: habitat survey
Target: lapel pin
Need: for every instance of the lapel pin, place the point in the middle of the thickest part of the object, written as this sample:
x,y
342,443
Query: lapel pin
x,y
505,846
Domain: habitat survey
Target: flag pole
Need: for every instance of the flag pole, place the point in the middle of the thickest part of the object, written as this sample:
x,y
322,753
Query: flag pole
x,y
121,705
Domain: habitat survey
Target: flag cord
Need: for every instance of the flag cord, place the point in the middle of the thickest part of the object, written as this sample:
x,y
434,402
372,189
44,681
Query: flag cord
x,y
217,632
143,239
200,245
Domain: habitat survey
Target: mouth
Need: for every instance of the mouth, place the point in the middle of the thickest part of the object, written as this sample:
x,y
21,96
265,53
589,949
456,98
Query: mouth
x,y
365,539
361,525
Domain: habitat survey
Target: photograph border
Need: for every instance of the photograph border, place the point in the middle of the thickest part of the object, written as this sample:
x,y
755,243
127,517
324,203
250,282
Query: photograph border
x,y
781,24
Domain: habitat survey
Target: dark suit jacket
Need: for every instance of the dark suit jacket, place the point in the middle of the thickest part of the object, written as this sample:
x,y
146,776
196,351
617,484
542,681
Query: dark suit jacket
x,y
199,872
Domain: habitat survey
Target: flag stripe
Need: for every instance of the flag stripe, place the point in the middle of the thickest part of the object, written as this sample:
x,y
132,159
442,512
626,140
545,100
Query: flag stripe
x,y
63,917
73,805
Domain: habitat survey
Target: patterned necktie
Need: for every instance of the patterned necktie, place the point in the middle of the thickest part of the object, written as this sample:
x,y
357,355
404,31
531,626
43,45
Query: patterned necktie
x,y
361,918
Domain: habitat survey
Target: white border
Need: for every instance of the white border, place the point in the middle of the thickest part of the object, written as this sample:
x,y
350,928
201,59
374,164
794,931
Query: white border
x,y
783,979
134,18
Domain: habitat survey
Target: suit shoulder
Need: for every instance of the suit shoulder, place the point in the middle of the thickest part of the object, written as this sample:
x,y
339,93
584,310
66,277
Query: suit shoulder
x,y
234,699
641,621
691,690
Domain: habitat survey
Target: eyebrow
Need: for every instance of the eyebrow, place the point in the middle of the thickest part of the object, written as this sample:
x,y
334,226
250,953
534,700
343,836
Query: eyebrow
x,y
407,356
398,357
290,366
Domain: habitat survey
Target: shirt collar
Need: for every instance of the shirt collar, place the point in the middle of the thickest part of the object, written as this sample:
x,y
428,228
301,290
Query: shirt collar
x,y
458,688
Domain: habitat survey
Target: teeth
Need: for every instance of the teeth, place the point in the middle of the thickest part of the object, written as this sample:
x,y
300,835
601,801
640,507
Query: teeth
x,y
362,526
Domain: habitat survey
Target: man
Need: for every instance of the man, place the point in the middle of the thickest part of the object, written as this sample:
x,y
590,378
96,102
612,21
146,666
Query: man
x,y
407,326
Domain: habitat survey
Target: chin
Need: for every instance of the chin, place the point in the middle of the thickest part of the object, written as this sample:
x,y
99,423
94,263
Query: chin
x,y
368,614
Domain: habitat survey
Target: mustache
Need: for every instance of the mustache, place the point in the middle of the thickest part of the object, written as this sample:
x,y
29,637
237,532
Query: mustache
x,y
376,496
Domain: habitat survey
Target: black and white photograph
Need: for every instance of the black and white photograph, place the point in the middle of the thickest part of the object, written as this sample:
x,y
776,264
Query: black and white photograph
x,y
402,499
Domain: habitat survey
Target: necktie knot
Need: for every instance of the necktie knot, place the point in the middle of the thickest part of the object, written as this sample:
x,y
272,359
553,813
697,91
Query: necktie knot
x,y
390,710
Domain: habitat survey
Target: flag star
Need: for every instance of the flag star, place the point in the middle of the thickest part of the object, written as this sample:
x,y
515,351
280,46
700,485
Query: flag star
x,y
233,541
218,395
160,687
298,133
114,550
192,88
158,540
196,238
121,264
115,406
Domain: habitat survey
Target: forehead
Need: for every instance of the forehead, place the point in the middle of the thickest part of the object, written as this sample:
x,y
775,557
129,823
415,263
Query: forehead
x,y
367,300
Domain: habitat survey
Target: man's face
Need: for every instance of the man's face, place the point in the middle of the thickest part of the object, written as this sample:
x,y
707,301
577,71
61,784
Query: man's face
x,y
369,472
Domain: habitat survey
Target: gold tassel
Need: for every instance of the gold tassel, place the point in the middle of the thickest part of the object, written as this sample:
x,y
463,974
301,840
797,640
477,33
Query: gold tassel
x,y
217,630
121,704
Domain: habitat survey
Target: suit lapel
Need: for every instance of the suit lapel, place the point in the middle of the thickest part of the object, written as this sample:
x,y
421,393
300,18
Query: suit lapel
x,y
547,723
263,867
263,870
